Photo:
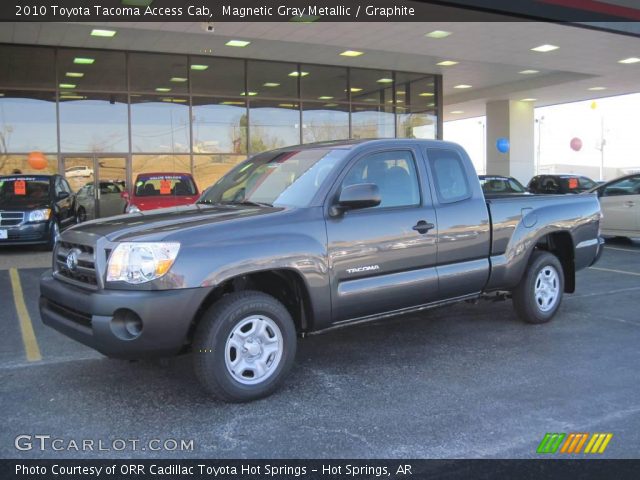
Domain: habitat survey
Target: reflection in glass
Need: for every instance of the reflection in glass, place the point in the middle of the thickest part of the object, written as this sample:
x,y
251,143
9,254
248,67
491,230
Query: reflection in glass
x,y
415,89
371,86
27,67
159,124
328,84
27,122
92,70
413,123
160,164
217,76
10,164
324,121
151,72
273,124
273,79
372,121
208,169
219,125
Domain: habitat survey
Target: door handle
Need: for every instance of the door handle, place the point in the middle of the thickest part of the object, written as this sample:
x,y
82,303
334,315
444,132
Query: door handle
x,y
423,226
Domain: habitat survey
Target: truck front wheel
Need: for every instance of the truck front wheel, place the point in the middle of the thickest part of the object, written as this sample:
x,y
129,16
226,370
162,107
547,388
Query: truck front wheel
x,y
538,295
244,346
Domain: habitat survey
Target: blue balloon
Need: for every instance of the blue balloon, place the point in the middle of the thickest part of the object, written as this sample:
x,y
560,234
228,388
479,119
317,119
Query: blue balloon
x,y
502,144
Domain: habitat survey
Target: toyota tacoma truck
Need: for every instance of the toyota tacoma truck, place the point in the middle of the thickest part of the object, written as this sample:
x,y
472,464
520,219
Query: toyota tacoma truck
x,y
309,238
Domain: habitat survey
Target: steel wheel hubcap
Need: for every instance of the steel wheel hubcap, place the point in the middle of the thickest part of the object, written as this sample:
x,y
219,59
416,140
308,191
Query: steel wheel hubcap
x,y
547,288
254,349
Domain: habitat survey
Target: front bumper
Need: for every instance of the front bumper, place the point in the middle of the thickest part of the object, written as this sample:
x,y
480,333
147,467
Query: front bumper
x,y
27,234
95,318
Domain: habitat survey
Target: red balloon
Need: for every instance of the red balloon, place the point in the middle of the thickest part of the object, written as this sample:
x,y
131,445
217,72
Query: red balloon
x,y
37,161
576,144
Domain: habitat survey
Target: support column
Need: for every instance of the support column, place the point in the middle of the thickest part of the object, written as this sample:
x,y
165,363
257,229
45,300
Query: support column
x,y
514,121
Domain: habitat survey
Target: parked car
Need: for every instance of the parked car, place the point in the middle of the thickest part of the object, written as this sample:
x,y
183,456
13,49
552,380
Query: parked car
x,y
34,209
620,203
110,201
161,190
78,171
499,184
560,184
308,238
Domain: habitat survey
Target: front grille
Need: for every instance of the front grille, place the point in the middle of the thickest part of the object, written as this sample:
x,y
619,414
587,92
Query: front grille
x,y
75,316
11,219
85,272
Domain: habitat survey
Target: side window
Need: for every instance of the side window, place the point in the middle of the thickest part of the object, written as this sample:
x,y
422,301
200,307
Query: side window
x,y
449,175
393,172
58,186
627,186
65,186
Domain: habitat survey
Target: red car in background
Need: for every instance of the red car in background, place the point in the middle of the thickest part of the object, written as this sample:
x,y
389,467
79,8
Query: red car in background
x,y
161,190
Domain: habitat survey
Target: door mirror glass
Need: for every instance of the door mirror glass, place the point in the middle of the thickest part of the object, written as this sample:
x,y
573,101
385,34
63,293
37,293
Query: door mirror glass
x,y
63,195
360,195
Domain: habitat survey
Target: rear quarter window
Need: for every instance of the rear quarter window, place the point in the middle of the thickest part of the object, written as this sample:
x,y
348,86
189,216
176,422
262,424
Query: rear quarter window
x,y
449,174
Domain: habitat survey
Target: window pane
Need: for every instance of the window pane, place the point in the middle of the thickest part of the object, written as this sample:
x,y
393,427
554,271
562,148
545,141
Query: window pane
x,y
273,124
91,70
371,86
27,122
160,164
372,121
324,121
159,124
158,73
24,67
93,122
393,172
416,124
324,83
17,164
449,175
219,125
415,89
208,169
217,76
273,79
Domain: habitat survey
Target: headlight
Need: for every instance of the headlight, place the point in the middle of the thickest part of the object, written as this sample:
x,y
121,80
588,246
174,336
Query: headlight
x,y
39,215
139,262
132,209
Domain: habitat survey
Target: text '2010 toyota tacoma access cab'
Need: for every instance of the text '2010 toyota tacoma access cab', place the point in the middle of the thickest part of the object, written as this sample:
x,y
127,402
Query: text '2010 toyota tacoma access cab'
x,y
307,238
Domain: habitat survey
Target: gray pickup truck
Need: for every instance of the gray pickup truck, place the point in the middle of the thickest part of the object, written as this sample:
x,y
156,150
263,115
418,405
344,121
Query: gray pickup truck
x,y
308,238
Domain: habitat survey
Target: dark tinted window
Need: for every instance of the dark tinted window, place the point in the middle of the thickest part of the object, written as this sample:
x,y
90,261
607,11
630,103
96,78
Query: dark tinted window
x,y
393,172
158,185
627,186
449,175
501,185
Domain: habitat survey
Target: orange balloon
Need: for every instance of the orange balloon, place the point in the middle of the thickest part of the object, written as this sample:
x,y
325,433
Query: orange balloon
x,y
37,161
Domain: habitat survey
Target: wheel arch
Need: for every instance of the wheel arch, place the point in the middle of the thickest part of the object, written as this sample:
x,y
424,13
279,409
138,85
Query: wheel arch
x,y
560,244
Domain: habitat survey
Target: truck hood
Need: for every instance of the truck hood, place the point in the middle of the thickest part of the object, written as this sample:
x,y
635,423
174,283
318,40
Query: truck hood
x,y
167,220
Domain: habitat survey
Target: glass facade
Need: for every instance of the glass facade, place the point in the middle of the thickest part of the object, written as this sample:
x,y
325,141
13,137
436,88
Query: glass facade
x,y
197,114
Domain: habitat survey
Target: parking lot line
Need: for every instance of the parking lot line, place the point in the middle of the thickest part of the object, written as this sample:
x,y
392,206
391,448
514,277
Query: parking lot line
x,y
26,327
614,271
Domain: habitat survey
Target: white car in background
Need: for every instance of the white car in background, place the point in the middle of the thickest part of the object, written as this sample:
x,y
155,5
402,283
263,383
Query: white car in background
x,y
620,204
79,171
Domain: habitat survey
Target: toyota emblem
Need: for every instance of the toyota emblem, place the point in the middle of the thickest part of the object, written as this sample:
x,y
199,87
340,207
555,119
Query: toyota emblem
x,y
72,259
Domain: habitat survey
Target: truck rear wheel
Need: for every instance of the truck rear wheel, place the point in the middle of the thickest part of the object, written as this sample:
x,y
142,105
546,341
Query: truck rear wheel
x,y
244,346
538,295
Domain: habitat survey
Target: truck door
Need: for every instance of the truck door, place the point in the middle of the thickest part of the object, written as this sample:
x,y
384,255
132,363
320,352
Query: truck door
x,y
383,258
464,231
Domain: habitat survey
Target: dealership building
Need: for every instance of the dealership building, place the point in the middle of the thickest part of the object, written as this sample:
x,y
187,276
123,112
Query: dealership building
x,y
120,99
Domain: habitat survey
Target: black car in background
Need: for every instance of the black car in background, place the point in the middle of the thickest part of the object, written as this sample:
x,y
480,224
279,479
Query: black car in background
x,y
560,183
34,208
499,184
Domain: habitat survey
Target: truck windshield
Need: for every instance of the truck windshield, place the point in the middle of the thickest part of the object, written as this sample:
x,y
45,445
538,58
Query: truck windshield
x,y
22,190
290,178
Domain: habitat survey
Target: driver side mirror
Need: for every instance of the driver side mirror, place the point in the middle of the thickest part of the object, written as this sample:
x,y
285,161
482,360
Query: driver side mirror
x,y
63,195
354,197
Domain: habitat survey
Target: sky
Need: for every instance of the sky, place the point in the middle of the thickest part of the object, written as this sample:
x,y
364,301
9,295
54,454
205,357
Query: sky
x,y
617,119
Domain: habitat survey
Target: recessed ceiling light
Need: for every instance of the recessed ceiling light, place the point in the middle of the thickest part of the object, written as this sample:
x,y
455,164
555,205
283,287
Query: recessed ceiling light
x,y
72,97
271,84
74,74
457,112
83,61
438,34
325,97
230,102
251,94
385,80
528,99
237,43
399,100
68,86
1,94
355,89
447,63
178,79
431,105
400,92
597,89
425,94
96,32
545,48
179,100
351,53
286,105
298,74
462,85
630,60
529,72
330,104
163,89
199,68
370,99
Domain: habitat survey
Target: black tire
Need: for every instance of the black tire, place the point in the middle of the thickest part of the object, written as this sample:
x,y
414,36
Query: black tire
x,y
210,346
54,232
530,306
